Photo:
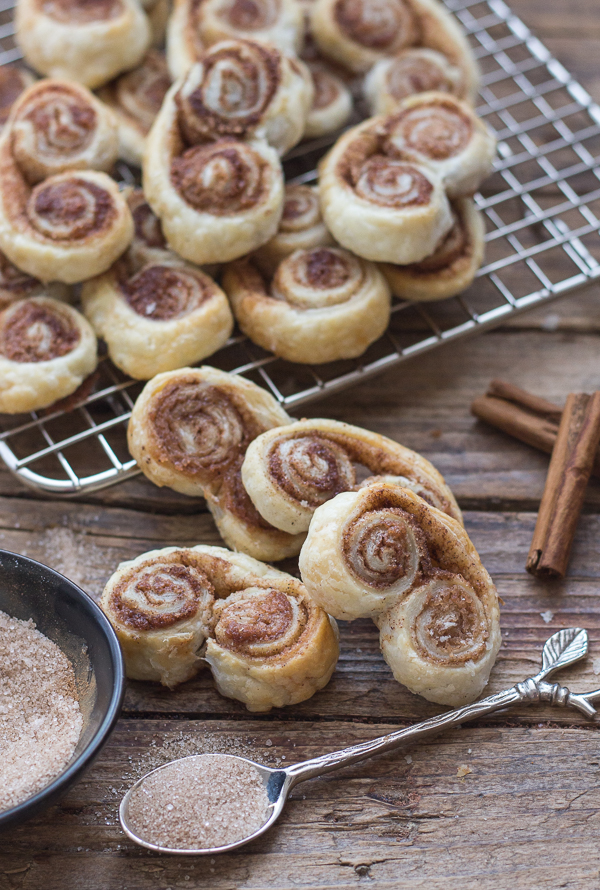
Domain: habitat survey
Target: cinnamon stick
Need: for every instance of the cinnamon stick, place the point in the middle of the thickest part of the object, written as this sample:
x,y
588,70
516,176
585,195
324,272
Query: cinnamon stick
x,y
570,468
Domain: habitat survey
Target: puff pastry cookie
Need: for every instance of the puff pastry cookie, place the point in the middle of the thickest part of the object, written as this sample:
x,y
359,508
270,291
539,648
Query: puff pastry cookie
x,y
190,429
415,70
322,305
196,25
332,102
13,81
378,204
16,285
46,350
217,200
451,268
385,553
290,471
57,126
89,41
266,642
135,99
148,244
446,135
162,317
244,89
301,228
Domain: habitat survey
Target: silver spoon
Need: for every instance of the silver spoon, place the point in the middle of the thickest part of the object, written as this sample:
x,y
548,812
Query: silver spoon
x,y
562,649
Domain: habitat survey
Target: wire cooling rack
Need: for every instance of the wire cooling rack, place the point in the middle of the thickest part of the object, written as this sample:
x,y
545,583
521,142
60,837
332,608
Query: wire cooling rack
x,y
542,211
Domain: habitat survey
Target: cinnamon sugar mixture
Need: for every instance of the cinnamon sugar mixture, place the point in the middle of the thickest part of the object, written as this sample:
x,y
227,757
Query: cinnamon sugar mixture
x,y
198,803
40,720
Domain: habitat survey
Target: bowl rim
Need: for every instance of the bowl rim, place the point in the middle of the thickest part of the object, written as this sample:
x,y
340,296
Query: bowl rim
x,y
68,777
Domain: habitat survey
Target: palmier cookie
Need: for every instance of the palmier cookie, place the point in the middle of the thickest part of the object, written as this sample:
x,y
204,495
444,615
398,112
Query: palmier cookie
x,y
245,90
383,552
266,643
301,228
216,200
446,135
321,305
135,99
67,228
13,81
16,285
195,26
378,204
453,265
332,103
46,350
289,471
57,126
189,430
416,70
165,316
88,41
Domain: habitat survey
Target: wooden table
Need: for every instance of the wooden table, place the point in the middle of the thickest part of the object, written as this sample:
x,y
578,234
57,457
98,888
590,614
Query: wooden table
x,y
527,814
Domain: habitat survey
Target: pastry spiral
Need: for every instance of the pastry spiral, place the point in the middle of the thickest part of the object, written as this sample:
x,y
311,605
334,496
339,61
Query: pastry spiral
x,y
16,285
149,244
245,90
416,70
12,83
67,228
383,552
196,24
46,350
57,127
160,605
322,305
451,268
190,429
290,471
88,41
301,228
135,99
267,644
446,135
163,317
332,103
378,204
217,200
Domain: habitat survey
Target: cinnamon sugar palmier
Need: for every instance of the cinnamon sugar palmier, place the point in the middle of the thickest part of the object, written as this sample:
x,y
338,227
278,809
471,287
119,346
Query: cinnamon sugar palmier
x,y
301,228
290,471
332,103
378,204
216,200
67,228
416,70
321,305
266,643
88,41
383,552
162,317
453,265
57,126
46,350
149,244
160,605
16,285
446,135
190,430
197,24
243,89
13,81
135,98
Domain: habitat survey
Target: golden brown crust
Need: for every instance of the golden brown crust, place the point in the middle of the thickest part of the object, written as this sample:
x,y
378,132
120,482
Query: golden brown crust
x,y
415,70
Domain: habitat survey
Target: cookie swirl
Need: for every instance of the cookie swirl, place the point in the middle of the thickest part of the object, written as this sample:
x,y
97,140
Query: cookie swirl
x,y
315,279
59,126
222,179
436,130
384,25
277,23
383,552
332,102
38,332
164,293
311,469
140,93
259,623
391,183
301,209
82,12
301,228
417,70
69,208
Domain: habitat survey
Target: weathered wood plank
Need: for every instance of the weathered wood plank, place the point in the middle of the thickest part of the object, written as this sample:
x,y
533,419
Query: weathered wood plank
x,y
522,818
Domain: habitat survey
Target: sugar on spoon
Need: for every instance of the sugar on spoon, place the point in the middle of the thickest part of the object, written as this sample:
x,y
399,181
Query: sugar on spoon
x,y
562,649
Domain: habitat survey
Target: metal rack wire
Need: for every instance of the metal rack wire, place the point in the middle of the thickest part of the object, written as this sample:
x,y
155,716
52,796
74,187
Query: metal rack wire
x,y
542,210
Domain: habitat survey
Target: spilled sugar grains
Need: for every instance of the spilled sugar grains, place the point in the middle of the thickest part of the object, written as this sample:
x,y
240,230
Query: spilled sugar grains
x,y
40,720
201,802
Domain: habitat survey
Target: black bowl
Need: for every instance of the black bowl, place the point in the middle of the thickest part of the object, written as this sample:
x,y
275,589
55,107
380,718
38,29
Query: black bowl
x,y
65,614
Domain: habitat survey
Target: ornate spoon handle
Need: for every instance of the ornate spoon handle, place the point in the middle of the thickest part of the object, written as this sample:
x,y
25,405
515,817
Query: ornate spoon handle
x,y
562,649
